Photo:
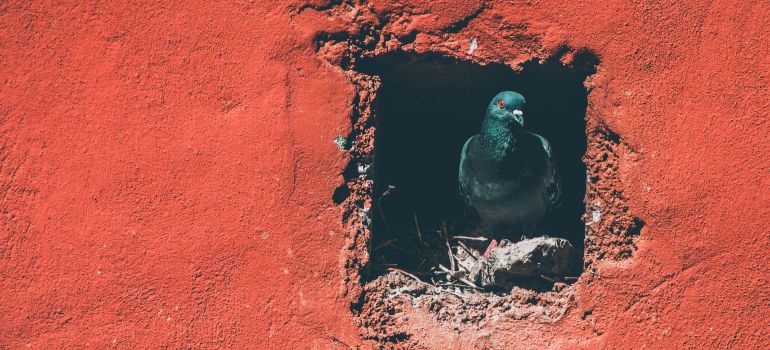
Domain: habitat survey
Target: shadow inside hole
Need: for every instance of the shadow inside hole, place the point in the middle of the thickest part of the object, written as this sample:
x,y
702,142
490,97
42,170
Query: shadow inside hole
x,y
427,107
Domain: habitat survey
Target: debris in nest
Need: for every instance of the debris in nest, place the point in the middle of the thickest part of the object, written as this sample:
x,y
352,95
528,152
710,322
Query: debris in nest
x,y
462,265
538,263
534,257
379,204
445,234
428,285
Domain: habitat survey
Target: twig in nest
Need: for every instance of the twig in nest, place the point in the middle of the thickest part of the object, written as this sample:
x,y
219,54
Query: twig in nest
x,y
443,268
417,225
385,243
463,280
453,273
469,238
390,243
449,248
385,265
391,267
408,274
419,267
469,251
470,284
423,282
558,279
379,204
453,293
549,279
457,286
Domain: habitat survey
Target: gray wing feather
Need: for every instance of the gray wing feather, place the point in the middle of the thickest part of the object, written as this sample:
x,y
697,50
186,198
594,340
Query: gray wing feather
x,y
553,182
461,174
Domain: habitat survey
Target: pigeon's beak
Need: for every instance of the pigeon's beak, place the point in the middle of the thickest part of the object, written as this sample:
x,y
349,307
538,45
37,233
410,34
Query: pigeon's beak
x,y
518,116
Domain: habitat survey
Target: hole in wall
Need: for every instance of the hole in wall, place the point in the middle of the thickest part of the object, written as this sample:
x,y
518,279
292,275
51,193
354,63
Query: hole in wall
x,y
427,106
389,305
555,92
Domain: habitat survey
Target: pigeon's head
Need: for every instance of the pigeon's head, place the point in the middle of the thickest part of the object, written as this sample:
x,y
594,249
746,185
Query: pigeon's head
x,y
507,106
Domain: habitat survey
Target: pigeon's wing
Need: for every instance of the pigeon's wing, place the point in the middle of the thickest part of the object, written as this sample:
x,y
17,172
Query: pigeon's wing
x,y
546,145
552,180
553,187
462,175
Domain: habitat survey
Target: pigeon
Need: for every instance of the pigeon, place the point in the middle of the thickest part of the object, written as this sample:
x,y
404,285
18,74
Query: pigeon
x,y
507,174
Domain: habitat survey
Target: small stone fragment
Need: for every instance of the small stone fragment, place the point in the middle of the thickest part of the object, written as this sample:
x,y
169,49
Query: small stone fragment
x,y
528,258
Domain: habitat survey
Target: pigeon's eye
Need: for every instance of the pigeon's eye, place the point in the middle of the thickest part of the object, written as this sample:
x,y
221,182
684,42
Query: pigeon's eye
x,y
500,104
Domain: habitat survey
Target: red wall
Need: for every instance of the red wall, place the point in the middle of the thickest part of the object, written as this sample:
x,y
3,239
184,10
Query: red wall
x,y
166,171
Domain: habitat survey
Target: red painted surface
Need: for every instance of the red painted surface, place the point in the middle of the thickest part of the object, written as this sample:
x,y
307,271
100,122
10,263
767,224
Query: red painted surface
x,y
166,172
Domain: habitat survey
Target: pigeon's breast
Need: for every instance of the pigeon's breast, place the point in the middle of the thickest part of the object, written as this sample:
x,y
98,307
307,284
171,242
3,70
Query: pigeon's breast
x,y
503,190
501,202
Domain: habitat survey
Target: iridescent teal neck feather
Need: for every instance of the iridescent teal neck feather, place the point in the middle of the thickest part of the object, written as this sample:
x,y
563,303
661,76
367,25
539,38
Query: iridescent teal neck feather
x,y
501,127
497,138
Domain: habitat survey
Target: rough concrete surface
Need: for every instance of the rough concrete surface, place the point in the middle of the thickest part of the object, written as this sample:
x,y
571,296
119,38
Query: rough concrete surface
x,y
167,173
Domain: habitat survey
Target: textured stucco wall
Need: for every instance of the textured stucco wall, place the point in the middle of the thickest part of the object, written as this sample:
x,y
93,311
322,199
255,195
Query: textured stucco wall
x,y
166,170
